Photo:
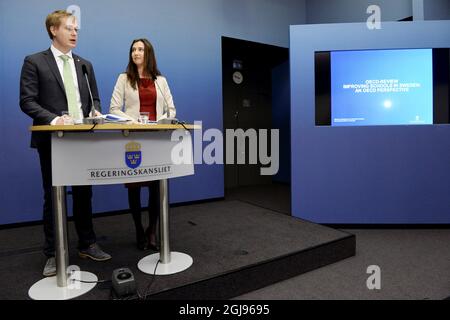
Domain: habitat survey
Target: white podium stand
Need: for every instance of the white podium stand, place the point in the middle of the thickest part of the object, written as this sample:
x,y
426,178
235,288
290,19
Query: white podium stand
x,y
110,154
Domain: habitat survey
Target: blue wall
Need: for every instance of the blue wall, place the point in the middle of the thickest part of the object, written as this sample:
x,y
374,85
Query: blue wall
x,y
385,174
3,195
187,39
338,11
436,9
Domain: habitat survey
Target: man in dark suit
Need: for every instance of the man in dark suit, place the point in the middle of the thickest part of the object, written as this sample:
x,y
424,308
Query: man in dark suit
x,y
51,83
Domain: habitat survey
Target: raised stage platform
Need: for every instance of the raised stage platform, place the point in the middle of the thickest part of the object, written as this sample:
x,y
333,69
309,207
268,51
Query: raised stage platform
x,y
236,247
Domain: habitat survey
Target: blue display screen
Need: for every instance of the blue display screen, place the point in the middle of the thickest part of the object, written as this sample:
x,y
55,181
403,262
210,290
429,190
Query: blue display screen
x,y
382,87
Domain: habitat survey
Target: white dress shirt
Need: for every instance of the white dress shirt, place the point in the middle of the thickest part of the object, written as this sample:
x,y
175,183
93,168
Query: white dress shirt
x,y
60,63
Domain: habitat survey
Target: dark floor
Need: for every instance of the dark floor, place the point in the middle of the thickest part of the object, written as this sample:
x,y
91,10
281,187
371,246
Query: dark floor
x,y
415,264
220,236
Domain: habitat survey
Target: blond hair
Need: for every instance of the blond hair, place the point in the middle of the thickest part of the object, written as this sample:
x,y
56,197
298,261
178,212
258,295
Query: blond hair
x,y
54,19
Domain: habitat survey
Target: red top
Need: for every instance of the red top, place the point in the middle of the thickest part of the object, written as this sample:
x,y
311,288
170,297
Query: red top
x,y
147,97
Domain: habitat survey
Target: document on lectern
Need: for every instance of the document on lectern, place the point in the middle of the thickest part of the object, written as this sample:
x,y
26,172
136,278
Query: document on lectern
x,y
112,118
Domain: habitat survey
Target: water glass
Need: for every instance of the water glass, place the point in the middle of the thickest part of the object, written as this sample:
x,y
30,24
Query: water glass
x,y
143,117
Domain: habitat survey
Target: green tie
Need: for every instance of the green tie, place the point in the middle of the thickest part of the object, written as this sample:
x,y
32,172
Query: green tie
x,y
70,88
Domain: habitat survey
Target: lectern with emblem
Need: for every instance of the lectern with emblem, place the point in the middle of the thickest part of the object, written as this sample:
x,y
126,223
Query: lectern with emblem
x,y
111,154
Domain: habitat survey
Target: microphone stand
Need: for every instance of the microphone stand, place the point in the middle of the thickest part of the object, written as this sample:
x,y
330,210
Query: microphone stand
x,y
92,119
167,119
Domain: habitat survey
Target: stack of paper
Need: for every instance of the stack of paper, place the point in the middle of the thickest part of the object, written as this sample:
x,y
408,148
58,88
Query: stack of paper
x,y
114,118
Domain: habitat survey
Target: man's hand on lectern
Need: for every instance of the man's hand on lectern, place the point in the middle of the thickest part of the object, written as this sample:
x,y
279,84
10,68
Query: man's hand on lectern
x,y
59,121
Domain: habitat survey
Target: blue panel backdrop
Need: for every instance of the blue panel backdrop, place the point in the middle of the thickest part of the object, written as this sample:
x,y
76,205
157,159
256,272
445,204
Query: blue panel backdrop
x,y
380,174
187,39
2,111
339,11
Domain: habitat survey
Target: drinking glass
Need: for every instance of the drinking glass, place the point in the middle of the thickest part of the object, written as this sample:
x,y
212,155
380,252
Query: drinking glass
x,y
143,117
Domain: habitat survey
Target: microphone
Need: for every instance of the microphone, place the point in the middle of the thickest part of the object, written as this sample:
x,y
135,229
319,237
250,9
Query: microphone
x,y
167,119
91,119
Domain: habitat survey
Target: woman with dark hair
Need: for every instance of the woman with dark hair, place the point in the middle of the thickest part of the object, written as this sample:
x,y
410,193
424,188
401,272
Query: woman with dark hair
x,y
143,89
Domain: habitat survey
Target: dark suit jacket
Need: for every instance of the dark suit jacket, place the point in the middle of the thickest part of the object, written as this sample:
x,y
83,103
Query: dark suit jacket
x,y
42,94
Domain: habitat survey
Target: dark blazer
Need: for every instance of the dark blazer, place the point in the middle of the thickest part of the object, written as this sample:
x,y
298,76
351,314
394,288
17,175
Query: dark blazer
x,y
42,94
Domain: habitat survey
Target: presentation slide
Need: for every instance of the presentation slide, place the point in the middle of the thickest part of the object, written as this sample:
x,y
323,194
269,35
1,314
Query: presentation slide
x,y
382,87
